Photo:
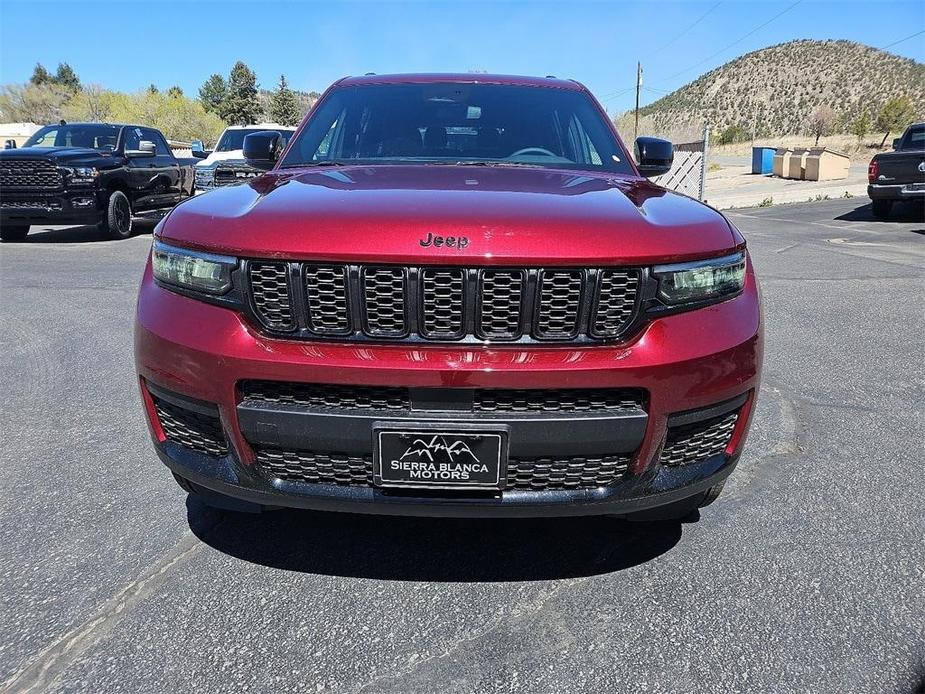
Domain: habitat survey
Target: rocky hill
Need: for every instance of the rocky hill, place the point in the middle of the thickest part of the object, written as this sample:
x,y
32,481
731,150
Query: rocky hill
x,y
774,90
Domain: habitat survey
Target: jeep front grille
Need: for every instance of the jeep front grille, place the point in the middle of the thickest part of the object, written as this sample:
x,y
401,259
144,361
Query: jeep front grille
x,y
423,304
29,173
534,474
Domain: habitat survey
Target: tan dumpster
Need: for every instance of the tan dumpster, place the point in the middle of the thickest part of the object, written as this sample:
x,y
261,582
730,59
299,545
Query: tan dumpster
x,y
797,164
781,161
824,164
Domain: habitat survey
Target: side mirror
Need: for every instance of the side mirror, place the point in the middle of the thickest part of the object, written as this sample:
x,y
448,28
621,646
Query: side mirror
x,y
199,150
146,148
654,156
262,150
896,142
9,144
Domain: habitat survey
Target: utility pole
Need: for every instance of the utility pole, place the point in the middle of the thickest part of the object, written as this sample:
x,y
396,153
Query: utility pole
x,y
638,87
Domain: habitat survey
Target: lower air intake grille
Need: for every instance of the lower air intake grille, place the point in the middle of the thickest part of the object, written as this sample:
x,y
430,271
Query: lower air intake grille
x,y
558,400
327,396
565,473
535,474
316,468
491,400
193,430
698,441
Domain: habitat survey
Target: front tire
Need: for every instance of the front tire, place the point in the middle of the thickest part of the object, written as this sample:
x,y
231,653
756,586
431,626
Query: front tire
x,y
118,220
11,232
881,208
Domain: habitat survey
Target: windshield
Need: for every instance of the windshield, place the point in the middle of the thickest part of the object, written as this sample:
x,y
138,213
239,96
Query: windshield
x,y
459,123
93,136
232,140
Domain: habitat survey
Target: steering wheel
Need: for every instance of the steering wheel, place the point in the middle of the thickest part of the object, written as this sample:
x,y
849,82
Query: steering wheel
x,y
533,150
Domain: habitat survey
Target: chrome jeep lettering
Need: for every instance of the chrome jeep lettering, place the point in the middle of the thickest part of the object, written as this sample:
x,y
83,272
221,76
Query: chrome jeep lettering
x,y
457,242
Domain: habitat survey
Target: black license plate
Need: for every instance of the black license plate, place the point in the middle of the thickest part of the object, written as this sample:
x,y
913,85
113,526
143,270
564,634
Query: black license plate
x,y
440,459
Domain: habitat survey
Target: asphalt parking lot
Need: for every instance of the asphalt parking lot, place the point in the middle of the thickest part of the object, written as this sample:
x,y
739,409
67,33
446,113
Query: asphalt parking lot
x,y
807,575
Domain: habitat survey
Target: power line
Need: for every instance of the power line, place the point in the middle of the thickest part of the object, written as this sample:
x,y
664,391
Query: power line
x,y
910,36
621,92
614,95
734,43
691,26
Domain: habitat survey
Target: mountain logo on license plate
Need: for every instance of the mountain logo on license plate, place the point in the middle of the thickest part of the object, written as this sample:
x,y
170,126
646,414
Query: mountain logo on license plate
x,y
439,459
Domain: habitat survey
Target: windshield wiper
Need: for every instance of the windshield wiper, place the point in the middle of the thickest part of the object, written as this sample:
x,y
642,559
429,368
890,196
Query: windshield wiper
x,y
479,162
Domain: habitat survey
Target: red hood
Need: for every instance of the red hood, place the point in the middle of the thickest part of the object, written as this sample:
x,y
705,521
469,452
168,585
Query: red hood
x,y
508,215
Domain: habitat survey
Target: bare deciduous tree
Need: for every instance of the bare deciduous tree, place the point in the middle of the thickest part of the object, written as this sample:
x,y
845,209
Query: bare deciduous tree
x,y
821,121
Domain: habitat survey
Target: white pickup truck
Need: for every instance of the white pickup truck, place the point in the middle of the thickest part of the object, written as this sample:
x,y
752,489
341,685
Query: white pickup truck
x,y
230,147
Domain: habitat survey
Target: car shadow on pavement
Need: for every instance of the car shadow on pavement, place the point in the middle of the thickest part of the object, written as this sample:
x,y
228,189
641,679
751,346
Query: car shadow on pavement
x,y
902,212
82,234
398,548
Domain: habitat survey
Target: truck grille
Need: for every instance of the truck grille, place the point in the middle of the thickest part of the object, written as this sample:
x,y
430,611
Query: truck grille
x,y
442,304
227,174
29,173
535,474
486,400
698,441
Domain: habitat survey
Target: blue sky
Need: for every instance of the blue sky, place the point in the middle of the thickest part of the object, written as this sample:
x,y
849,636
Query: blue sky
x,y
128,45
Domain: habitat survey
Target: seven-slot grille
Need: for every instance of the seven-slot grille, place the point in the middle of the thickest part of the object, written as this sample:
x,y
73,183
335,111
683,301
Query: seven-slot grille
x,y
309,300
29,173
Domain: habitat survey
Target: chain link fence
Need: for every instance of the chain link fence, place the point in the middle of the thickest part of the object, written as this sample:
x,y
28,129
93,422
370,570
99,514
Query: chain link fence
x,y
689,170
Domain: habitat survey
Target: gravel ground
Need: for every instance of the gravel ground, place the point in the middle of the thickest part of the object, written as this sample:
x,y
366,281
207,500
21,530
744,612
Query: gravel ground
x,y
807,575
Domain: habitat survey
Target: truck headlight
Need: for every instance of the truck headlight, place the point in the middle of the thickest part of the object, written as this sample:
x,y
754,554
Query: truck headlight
x,y
193,270
82,175
701,280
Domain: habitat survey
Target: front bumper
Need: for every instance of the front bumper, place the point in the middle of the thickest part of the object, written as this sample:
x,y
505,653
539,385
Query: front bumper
x,y
51,207
684,363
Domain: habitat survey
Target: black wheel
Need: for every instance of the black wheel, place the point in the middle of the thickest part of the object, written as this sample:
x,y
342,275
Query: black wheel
x,y
882,208
11,232
118,221
712,494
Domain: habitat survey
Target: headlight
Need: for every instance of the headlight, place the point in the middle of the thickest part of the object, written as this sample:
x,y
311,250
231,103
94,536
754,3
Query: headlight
x,y
201,272
82,174
701,280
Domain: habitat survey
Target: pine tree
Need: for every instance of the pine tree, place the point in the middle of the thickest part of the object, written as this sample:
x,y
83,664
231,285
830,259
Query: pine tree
x,y
175,92
40,75
895,115
284,107
240,105
212,94
861,126
66,77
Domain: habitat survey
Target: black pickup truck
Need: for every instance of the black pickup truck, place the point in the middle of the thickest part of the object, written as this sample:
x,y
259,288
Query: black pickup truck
x,y
89,173
898,175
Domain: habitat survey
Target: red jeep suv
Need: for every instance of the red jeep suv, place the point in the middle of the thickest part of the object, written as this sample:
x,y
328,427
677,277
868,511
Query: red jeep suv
x,y
450,295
